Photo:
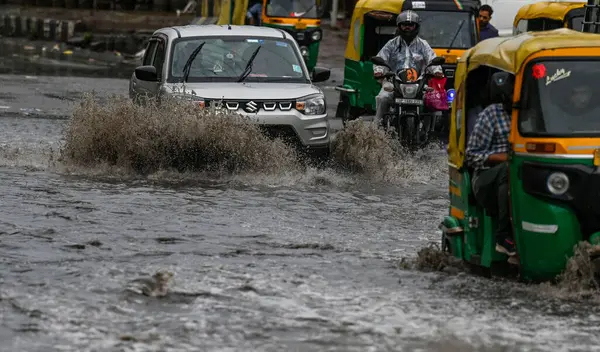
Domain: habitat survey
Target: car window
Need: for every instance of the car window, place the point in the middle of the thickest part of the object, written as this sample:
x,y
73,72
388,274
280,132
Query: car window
x,y
159,57
149,54
225,59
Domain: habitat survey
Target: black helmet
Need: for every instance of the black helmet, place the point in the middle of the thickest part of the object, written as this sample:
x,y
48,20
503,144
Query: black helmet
x,y
408,17
502,86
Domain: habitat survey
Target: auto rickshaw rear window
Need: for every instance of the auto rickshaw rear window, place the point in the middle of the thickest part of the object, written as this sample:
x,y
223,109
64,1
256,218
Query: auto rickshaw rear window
x,y
543,24
292,8
577,23
558,99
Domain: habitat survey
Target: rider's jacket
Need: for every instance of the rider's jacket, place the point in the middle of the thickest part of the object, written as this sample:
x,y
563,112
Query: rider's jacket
x,y
399,55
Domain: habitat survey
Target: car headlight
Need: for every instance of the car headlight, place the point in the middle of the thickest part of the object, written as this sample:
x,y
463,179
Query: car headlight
x,y
314,105
558,183
409,90
316,36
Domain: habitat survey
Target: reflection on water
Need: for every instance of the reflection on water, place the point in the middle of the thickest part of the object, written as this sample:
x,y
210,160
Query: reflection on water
x,y
50,59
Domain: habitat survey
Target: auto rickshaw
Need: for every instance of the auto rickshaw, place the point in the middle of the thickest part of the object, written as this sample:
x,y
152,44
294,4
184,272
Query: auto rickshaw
x,y
373,24
548,15
450,28
554,179
300,18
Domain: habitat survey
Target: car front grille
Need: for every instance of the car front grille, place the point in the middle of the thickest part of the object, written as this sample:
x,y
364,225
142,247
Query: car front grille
x,y
254,106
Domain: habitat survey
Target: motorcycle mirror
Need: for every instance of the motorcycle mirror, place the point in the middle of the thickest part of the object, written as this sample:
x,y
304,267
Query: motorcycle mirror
x,y
438,60
379,61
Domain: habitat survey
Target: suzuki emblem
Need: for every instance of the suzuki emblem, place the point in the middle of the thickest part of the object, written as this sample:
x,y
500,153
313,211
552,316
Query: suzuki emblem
x,y
251,106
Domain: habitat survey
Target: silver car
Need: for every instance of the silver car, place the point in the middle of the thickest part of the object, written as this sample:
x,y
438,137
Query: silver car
x,y
255,71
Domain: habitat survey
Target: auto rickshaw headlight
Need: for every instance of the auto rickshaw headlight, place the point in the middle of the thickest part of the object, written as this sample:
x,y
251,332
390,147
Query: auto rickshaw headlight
x,y
304,51
316,36
558,183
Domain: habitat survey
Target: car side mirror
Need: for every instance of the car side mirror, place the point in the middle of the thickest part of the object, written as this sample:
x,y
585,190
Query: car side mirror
x,y
146,73
321,74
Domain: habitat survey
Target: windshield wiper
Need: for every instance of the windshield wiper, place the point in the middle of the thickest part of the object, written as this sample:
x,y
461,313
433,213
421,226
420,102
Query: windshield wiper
x,y
188,64
248,68
456,34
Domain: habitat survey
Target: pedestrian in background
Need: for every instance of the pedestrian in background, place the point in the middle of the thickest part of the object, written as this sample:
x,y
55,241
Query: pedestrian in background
x,y
486,30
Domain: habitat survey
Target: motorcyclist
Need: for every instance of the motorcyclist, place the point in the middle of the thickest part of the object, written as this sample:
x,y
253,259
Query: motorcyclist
x,y
406,50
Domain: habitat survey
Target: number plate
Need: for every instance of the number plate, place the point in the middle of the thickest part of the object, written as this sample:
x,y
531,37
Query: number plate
x,y
409,101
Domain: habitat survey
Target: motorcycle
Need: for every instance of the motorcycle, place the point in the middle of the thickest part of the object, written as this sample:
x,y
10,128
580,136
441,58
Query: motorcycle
x,y
407,114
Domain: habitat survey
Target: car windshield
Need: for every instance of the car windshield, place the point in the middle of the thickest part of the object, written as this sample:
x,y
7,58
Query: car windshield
x,y
439,27
558,99
224,60
292,8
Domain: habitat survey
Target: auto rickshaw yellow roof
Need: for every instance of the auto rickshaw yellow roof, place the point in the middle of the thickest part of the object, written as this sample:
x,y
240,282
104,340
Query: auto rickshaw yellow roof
x,y
509,53
364,6
547,9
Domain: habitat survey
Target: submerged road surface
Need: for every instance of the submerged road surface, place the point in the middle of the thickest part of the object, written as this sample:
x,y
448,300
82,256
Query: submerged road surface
x,y
280,262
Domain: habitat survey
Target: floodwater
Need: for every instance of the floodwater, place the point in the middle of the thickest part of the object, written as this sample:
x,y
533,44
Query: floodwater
x,y
289,260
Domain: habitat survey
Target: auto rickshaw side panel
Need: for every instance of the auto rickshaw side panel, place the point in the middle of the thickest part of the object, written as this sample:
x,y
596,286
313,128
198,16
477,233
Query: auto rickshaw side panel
x,y
467,227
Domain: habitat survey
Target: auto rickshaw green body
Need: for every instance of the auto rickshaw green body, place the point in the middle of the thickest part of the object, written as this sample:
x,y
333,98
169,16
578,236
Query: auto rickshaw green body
x,y
546,226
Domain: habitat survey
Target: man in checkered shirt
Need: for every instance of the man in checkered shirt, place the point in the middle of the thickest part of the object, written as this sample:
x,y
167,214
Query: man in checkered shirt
x,y
487,154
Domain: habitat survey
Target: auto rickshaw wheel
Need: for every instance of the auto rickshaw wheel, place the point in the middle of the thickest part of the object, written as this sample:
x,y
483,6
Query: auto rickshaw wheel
x,y
446,247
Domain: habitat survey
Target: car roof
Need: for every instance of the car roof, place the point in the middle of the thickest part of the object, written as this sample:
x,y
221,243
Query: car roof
x,y
213,30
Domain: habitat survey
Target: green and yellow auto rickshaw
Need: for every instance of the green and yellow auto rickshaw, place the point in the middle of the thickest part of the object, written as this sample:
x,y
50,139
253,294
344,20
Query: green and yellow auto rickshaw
x,y
554,179
450,28
548,15
373,24
300,18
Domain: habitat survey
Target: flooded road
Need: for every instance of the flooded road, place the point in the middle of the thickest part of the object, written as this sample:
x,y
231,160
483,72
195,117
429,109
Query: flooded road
x,y
285,261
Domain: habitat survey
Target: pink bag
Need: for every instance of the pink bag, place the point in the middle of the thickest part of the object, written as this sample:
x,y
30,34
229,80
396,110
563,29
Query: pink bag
x,y
436,99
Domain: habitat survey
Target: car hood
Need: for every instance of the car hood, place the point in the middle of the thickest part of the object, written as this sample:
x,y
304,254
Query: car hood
x,y
245,91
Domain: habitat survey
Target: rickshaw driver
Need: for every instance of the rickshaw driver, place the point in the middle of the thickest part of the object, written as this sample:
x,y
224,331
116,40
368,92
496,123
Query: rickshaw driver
x,y
487,153
406,50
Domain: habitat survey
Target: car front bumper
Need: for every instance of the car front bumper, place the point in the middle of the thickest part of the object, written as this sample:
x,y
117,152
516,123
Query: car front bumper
x,y
310,130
